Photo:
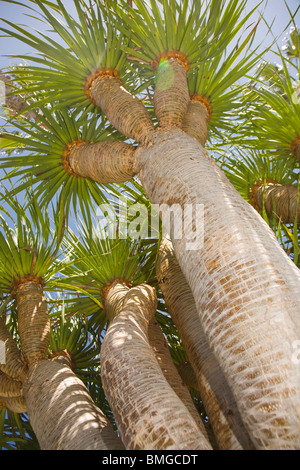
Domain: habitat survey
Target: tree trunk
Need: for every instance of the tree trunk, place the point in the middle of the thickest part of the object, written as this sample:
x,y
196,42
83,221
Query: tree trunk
x,y
123,110
33,321
279,200
60,409
195,122
62,413
14,366
104,162
148,413
163,356
9,388
188,375
246,289
217,398
14,404
11,374
171,95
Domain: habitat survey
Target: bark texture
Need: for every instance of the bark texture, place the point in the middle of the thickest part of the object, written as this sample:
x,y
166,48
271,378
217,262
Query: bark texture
x,y
163,356
33,321
171,95
195,122
188,375
9,388
281,201
148,413
218,401
62,413
104,162
14,366
114,299
124,111
246,289
14,404
11,374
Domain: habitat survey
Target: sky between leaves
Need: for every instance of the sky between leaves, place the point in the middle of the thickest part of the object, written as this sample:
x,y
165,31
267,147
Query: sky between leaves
x,y
275,13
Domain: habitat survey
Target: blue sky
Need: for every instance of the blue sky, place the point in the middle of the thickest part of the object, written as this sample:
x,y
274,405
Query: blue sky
x,y
275,12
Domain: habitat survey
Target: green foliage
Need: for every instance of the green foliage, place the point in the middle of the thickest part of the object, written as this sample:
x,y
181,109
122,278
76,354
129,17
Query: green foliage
x,y
42,164
96,257
273,118
16,432
245,168
81,45
28,246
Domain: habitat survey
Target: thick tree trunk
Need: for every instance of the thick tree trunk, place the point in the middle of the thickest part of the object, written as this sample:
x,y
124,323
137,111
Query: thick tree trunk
x,y
104,162
33,321
123,110
247,291
62,413
281,201
148,413
217,398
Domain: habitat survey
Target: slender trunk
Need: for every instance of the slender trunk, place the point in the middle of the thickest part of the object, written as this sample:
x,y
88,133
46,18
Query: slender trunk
x,y
12,374
60,409
9,388
278,200
62,413
123,110
195,122
247,291
188,375
171,95
163,356
113,306
104,162
217,398
14,366
114,298
14,404
33,321
148,413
